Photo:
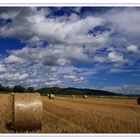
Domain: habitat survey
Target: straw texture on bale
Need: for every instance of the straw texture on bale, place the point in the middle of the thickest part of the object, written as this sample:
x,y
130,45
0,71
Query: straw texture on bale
x,y
5,112
51,96
85,96
27,111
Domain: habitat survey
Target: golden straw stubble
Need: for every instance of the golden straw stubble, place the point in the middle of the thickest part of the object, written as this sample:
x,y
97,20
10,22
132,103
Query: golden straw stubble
x,y
27,111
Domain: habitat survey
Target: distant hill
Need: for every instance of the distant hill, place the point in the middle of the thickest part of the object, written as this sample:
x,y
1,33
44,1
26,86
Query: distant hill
x,y
74,91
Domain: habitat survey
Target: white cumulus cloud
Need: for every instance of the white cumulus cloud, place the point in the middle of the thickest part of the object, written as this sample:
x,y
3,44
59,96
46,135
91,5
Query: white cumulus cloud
x,y
74,78
132,48
115,57
2,68
14,59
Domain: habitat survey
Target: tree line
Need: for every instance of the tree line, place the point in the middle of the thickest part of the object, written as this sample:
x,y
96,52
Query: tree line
x,y
16,88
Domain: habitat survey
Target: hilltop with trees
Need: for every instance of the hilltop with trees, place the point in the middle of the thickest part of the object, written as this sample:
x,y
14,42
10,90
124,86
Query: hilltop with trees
x,y
56,90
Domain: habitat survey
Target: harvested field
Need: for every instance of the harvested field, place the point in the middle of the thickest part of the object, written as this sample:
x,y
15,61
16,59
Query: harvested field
x,y
76,115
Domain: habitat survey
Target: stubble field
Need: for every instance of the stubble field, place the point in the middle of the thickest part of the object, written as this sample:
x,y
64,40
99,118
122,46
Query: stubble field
x,y
78,115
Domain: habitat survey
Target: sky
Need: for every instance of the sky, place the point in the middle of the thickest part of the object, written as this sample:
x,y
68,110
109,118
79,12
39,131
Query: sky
x,y
82,47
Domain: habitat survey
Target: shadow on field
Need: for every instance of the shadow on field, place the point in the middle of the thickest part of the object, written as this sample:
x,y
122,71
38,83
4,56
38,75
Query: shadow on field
x,y
9,126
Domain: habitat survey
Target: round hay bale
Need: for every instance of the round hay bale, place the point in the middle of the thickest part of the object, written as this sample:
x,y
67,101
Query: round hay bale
x,y
73,96
5,112
12,93
27,111
138,100
51,96
85,96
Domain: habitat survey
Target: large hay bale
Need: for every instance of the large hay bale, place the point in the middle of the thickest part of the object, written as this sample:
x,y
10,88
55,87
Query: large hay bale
x,y
5,112
27,111
85,96
51,96
138,100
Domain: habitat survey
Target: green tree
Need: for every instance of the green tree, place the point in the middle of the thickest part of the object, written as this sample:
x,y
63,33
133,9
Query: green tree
x,y
19,88
2,88
8,89
30,89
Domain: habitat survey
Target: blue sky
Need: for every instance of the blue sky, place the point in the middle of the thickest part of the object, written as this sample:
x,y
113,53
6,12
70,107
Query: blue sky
x,y
86,47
